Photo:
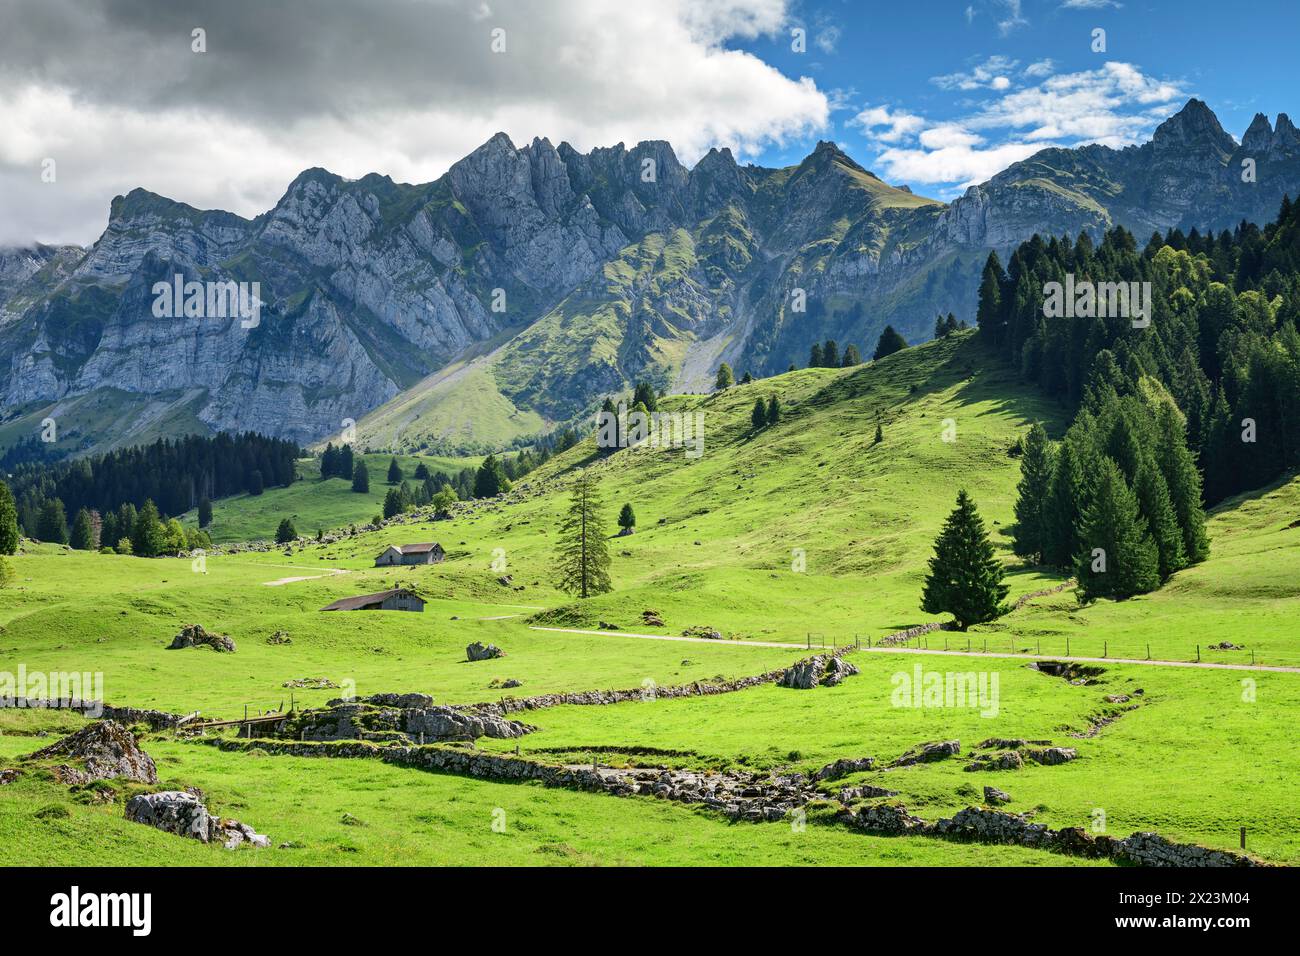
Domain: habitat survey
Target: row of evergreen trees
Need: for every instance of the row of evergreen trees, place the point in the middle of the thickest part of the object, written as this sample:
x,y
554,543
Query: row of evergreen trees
x,y
125,531
174,474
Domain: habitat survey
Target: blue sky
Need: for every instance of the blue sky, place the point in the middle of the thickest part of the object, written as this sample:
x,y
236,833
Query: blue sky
x,y
935,94
937,74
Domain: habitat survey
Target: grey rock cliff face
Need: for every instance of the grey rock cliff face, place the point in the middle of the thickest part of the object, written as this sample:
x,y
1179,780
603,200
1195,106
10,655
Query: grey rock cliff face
x,y
368,285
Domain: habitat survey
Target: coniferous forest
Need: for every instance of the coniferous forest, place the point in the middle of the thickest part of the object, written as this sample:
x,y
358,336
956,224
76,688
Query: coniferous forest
x,y
174,474
1200,404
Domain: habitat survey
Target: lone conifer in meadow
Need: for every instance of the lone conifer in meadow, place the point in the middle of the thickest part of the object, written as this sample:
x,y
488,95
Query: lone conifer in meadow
x,y
726,378
583,559
8,521
394,471
880,434
286,532
361,477
965,578
83,532
627,518
205,512
1030,535
1117,556
773,410
830,354
758,417
890,342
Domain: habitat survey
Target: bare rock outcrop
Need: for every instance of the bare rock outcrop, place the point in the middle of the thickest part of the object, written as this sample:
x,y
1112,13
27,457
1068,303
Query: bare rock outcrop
x,y
194,635
184,814
483,652
819,671
104,749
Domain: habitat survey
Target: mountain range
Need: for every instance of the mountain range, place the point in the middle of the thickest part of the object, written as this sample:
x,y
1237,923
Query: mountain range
x,y
526,284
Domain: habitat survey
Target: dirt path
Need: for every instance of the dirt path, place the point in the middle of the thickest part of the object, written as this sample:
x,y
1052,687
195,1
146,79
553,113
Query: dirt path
x,y
913,650
329,573
670,637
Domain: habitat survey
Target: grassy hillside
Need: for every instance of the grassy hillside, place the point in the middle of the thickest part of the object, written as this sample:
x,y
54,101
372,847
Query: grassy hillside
x,y
1193,756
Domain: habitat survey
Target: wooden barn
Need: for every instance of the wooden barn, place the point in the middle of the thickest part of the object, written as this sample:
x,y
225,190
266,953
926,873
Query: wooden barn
x,y
394,599
430,553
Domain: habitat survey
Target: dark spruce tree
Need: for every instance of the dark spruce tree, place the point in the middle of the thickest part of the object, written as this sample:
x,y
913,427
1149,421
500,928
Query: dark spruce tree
x,y
965,578
361,477
392,503
82,537
1117,557
490,480
205,512
394,471
815,358
286,532
8,521
52,525
726,378
773,410
627,518
851,356
645,395
890,342
1031,533
758,417
830,354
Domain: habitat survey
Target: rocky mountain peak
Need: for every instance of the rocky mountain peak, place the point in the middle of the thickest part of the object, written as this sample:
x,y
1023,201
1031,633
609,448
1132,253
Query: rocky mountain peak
x,y
1193,127
1285,136
1258,135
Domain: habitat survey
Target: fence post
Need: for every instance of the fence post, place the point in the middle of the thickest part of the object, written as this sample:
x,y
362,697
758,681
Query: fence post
x,y
1198,653
1148,652
1243,838
1105,648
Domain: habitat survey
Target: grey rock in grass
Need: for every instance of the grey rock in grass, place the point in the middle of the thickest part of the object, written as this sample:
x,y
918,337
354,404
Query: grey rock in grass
x,y
194,635
483,652
183,814
105,749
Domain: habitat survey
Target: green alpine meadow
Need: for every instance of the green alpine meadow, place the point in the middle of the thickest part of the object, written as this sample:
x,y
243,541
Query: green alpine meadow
x,y
448,437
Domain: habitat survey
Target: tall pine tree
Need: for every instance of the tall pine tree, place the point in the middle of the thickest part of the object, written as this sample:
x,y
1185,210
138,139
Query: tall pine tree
x,y
1032,531
1117,557
965,578
583,558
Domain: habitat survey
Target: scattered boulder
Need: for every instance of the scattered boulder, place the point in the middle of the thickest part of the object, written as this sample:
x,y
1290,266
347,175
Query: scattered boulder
x,y
1051,756
843,767
652,618
1007,760
606,626
822,670
708,633
183,814
278,638
311,683
995,797
1118,698
106,749
9,776
483,652
929,752
864,792
499,684
194,635
1227,646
